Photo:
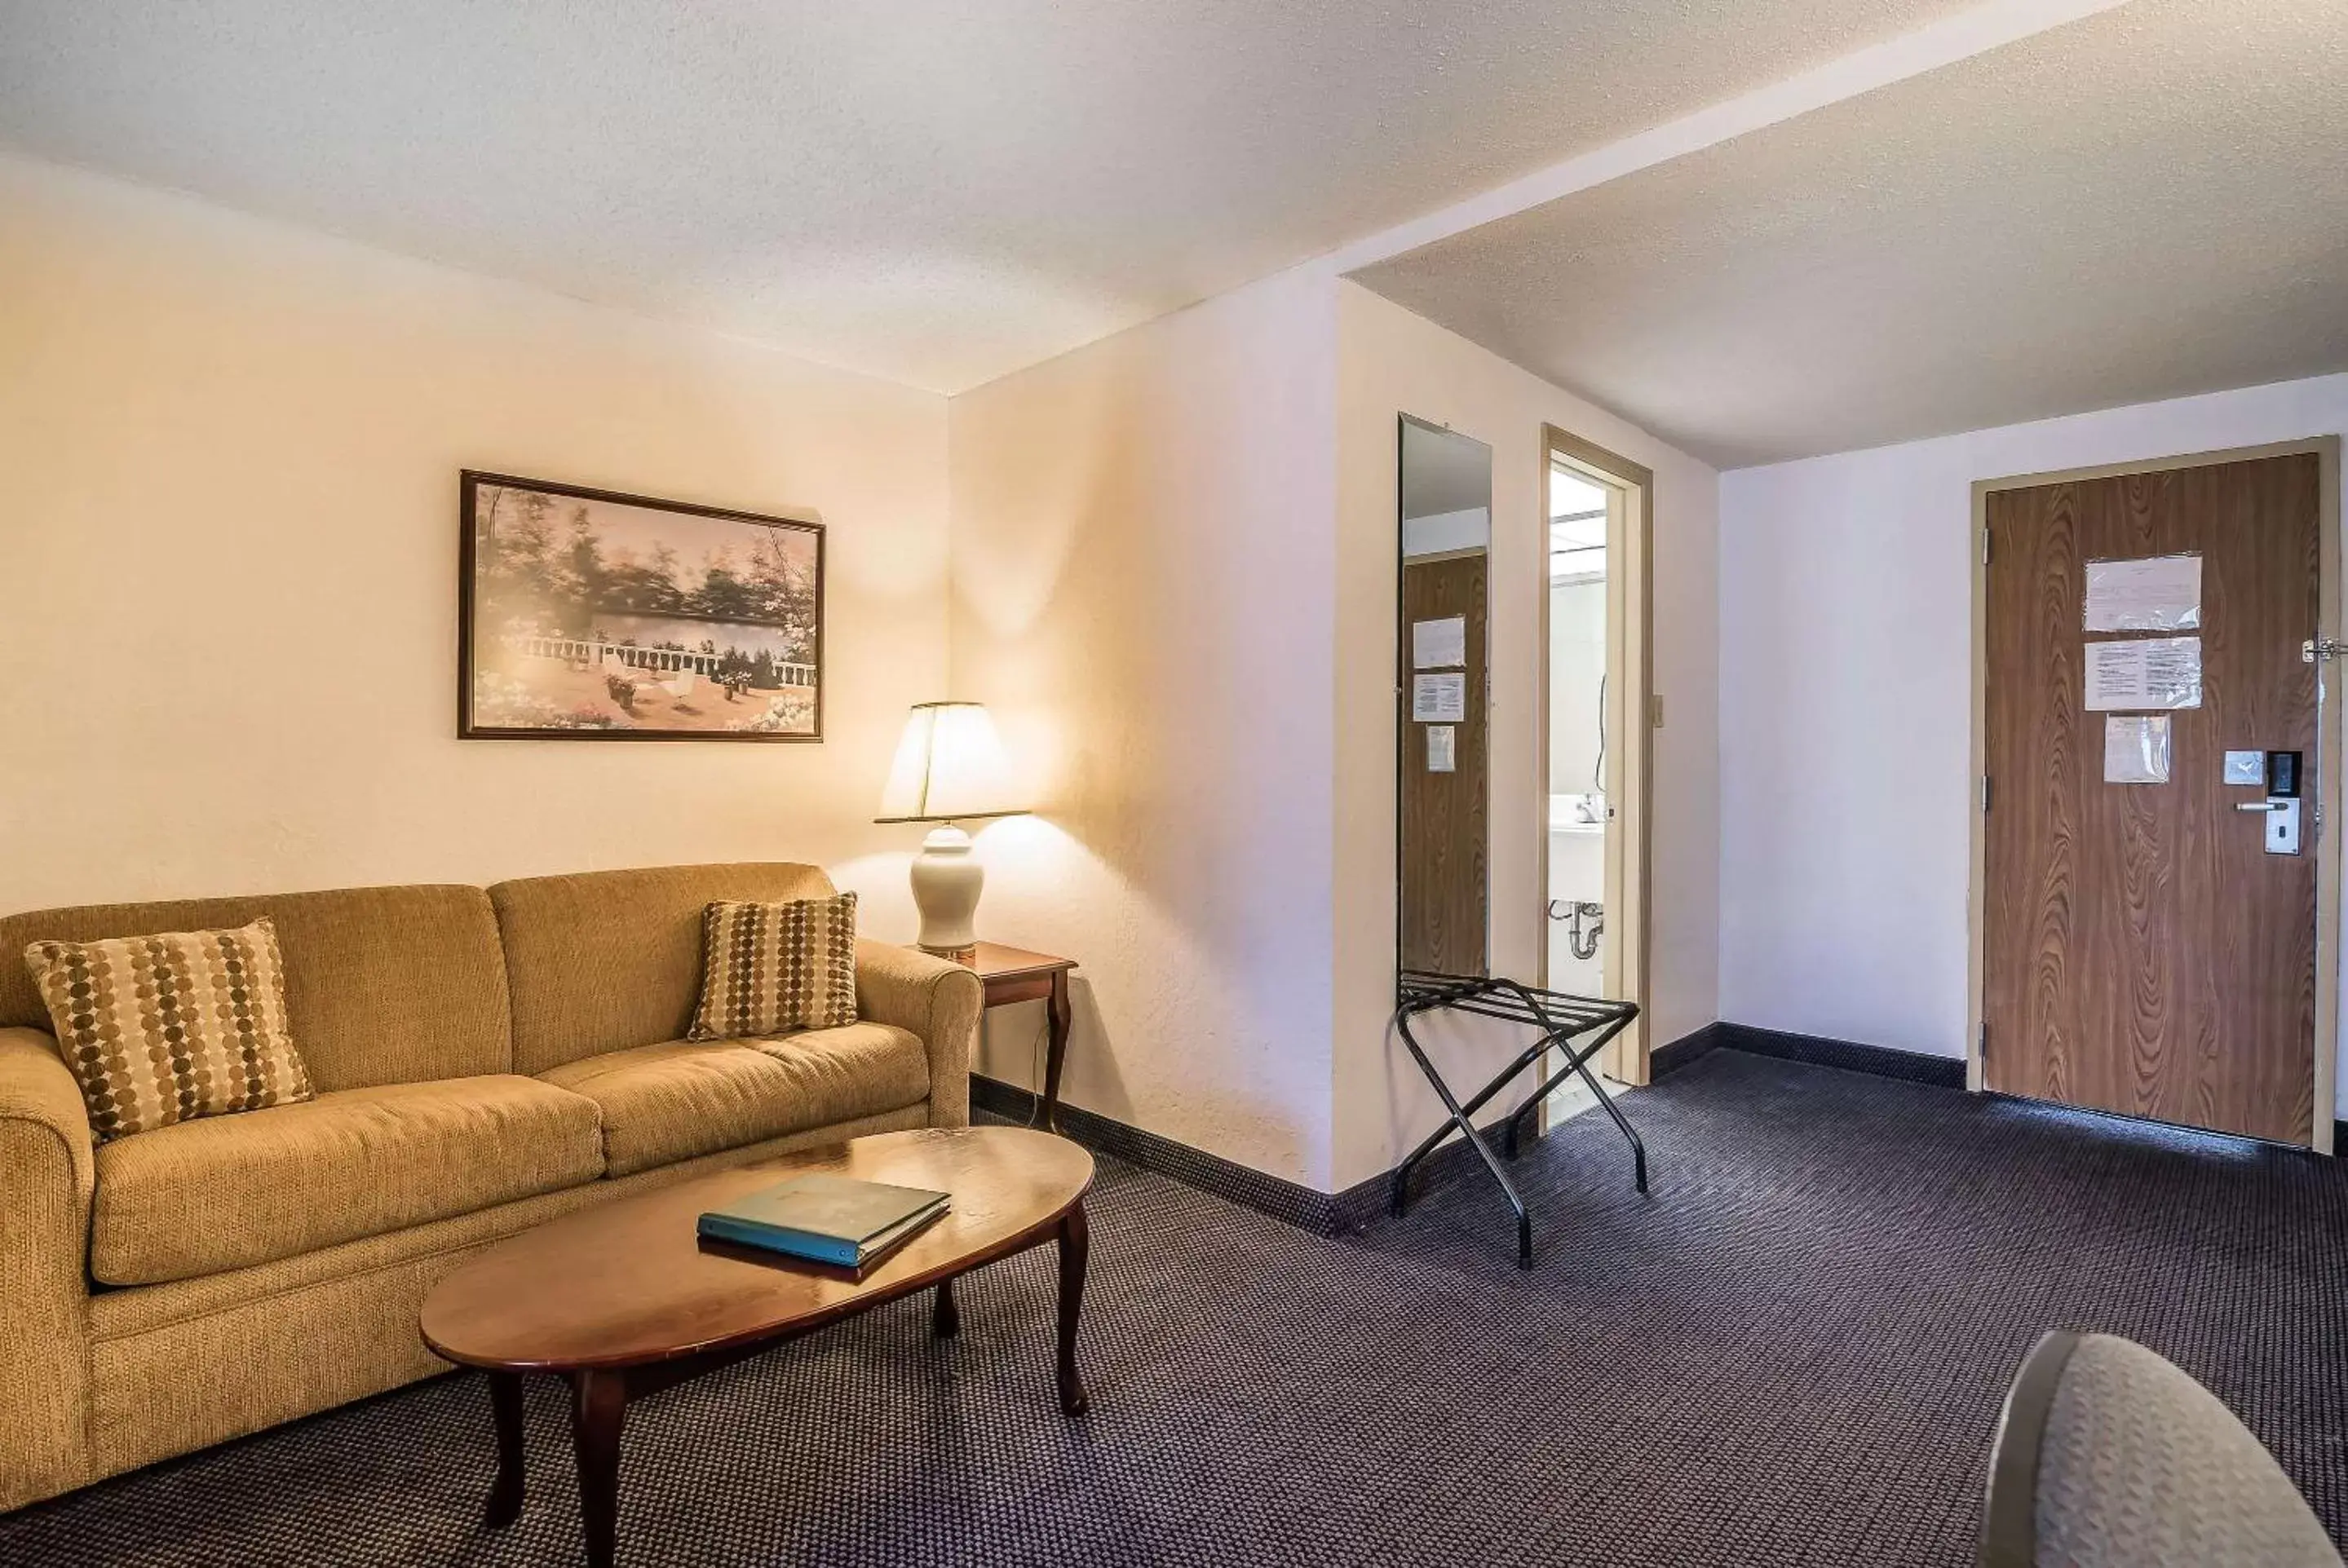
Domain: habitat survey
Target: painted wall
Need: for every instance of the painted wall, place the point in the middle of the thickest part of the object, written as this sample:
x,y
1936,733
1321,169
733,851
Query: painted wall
x,y
1846,771
1142,565
227,475
1392,362
1577,667
228,502
1174,576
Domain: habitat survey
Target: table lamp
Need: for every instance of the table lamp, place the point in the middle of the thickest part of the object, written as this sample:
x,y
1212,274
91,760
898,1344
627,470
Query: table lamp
x,y
949,768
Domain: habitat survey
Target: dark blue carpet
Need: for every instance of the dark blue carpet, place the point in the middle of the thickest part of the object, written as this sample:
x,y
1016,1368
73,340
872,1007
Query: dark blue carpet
x,y
1792,1352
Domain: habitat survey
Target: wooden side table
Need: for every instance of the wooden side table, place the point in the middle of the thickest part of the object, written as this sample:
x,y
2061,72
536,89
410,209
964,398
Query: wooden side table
x,y
1015,975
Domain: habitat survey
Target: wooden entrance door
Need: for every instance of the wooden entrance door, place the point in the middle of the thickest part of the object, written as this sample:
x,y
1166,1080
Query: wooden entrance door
x,y
2141,951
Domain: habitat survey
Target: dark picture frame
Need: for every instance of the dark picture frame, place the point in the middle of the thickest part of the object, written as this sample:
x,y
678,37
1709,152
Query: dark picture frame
x,y
590,615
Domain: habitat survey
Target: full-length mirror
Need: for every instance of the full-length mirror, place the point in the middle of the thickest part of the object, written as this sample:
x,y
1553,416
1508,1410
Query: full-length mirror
x,y
1443,791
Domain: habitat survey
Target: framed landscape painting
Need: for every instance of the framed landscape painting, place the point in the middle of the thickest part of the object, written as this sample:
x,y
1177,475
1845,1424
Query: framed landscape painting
x,y
589,615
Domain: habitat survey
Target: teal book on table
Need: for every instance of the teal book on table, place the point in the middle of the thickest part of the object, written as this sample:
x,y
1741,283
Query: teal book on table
x,y
837,1220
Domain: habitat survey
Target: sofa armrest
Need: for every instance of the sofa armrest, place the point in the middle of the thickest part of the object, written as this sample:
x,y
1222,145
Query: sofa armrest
x,y
47,1174
936,998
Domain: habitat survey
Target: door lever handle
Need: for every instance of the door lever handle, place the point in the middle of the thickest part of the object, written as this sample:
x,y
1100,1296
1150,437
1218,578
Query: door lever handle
x,y
2260,805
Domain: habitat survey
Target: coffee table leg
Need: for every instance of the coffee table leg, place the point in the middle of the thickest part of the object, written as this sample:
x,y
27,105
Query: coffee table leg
x,y
1075,1246
505,1409
599,1406
945,1317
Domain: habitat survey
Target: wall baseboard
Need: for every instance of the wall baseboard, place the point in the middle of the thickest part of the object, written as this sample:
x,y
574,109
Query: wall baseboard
x,y
1324,1214
1337,1214
1282,1200
1881,1061
1689,1049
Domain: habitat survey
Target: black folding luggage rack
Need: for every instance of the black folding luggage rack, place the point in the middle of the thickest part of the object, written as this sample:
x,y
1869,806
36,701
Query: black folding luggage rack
x,y
1558,1020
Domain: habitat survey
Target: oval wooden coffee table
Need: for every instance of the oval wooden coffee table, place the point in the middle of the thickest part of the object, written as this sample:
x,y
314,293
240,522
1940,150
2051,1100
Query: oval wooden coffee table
x,y
625,1300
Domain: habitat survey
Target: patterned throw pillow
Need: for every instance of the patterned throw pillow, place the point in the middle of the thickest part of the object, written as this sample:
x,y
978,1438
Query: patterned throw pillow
x,y
770,968
163,1029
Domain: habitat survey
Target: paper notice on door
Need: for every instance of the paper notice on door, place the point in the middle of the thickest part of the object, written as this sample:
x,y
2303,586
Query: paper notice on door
x,y
2135,748
1438,645
1442,748
2145,672
2155,593
1438,699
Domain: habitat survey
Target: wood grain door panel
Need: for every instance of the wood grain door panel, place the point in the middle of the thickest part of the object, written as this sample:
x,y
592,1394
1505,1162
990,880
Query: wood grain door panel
x,y
1444,818
2141,952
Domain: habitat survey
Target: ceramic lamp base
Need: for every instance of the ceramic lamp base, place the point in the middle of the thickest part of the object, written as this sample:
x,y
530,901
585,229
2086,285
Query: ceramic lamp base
x,y
946,884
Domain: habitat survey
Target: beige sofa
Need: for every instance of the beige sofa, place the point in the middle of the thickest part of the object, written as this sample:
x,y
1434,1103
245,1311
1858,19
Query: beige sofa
x,y
485,1059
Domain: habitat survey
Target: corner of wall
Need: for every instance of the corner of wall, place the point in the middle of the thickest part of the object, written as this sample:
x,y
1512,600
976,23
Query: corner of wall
x,y
1142,585
1394,362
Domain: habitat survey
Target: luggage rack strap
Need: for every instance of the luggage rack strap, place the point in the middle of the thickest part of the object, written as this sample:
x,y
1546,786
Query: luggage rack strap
x,y
1421,990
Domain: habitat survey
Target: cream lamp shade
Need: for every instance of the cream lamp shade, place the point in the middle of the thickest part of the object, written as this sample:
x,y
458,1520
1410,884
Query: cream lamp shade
x,y
949,765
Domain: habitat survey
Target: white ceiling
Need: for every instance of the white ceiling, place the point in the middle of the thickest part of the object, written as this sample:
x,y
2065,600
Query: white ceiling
x,y
937,192
2144,204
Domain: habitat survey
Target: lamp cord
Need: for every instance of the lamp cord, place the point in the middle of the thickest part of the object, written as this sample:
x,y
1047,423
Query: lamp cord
x,y
1035,1072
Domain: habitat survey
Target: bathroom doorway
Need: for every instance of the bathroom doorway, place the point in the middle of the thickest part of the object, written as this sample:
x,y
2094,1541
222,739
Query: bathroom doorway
x,y
1598,715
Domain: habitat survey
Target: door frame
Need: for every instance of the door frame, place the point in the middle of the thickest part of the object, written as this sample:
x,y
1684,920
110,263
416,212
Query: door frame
x,y
2327,754
1631,745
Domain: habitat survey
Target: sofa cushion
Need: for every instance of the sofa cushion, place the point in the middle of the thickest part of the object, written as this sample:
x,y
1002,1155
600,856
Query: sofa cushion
x,y
170,1027
672,1101
383,985
772,969
229,1192
605,960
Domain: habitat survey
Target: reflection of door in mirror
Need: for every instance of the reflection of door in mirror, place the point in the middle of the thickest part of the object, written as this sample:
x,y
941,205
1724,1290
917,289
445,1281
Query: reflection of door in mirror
x,y
1579,795
1442,843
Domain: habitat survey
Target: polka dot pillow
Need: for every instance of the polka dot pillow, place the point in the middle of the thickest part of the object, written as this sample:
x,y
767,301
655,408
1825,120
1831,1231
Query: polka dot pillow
x,y
769,969
165,1028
